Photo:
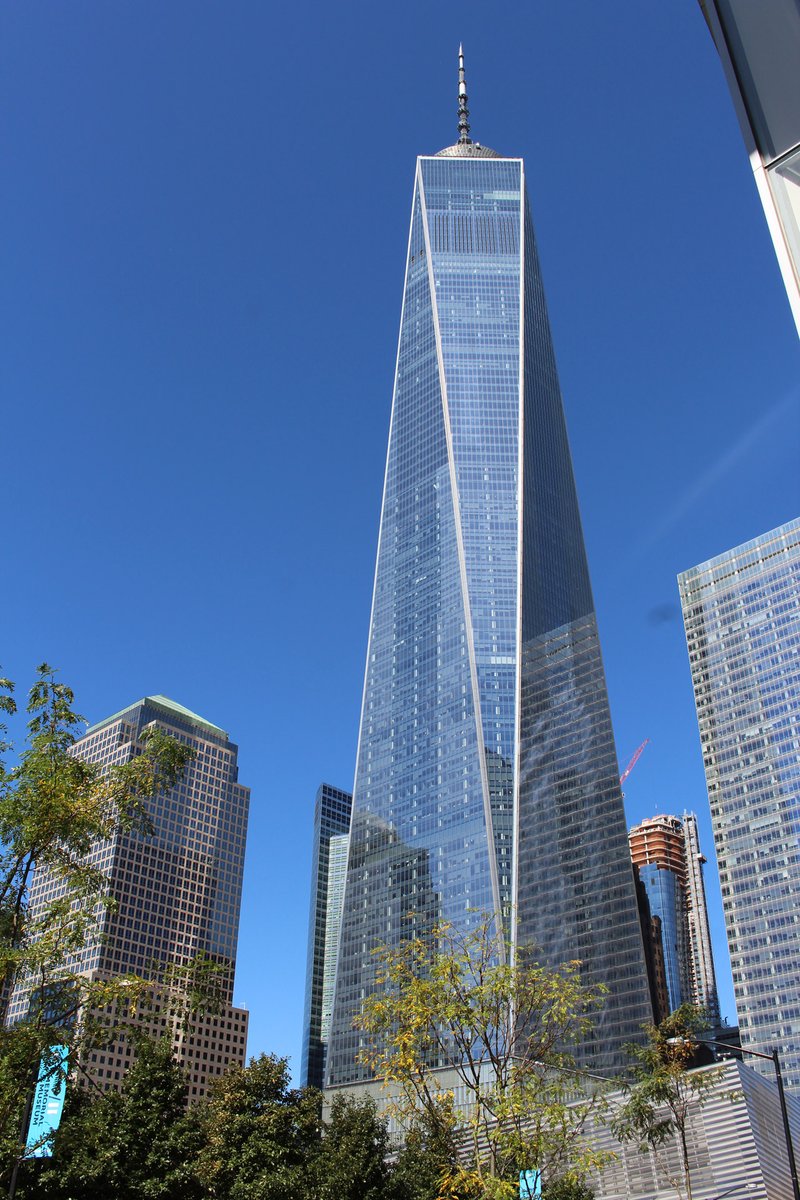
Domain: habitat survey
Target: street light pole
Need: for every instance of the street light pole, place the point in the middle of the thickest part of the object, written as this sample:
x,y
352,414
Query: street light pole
x,y
787,1132
786,1129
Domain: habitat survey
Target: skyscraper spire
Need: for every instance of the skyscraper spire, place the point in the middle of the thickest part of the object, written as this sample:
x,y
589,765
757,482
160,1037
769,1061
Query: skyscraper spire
x,y
463,112
465,147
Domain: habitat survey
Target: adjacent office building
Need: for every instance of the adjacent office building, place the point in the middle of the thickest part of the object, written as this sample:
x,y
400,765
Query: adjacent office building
x,y
328,869
742,616
759,45
666,855
177,893
486,776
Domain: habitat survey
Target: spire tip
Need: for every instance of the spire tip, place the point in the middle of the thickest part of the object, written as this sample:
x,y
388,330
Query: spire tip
x,y
463,112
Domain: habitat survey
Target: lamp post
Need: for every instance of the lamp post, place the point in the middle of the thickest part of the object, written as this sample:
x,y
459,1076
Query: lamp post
x,y
773,1058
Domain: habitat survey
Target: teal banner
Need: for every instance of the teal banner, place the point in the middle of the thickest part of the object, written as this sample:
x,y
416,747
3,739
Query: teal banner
x,y
48,1101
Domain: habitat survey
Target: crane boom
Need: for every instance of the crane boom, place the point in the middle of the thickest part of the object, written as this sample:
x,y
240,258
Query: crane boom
x,y
633,762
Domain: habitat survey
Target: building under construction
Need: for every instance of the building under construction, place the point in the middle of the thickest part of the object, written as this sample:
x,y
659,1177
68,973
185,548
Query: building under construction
x,y
669,864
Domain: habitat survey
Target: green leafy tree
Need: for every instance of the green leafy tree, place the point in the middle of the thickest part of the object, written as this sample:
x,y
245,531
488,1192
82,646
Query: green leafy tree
x,y
350,1162
659,1103
504,1030
137,1144
258,1135
428,1157
53,808
567,1189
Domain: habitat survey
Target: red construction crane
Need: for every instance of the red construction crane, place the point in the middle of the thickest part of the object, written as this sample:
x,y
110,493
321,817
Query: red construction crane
x,y
633,762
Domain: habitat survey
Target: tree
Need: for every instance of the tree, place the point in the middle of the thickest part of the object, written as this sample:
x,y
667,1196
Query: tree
x,y
54,807
567,1189
137,1144
504,1031
350,1162
660,1101
257,1134
428,1156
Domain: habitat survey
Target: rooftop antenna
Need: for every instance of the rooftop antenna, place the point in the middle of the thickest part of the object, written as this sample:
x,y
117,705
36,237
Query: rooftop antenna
x,y
463,112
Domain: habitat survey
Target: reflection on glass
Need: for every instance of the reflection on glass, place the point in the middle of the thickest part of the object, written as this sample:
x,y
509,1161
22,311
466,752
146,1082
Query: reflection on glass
x,y
785,180
443,721
764,41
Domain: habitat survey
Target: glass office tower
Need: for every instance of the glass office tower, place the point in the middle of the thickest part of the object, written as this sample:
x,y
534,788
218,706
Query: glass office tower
x,y
328,868
486,776
742,617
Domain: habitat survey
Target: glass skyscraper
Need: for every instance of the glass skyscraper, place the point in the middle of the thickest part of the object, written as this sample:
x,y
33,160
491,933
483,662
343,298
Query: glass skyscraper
x,y
742,616
332,812
486,776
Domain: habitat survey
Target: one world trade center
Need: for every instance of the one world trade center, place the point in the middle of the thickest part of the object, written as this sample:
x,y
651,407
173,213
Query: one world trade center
x,y
486,777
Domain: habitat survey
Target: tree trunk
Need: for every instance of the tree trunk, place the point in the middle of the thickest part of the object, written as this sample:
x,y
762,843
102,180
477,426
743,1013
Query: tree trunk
x,y
685,1153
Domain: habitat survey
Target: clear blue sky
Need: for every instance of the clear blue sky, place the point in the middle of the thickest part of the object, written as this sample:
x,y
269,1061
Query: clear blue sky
x,y
204,215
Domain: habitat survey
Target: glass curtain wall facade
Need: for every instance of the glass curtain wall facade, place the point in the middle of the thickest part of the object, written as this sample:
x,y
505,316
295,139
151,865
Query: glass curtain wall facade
x,y
759,44
742,616
328,866
666,897
702,974
486,776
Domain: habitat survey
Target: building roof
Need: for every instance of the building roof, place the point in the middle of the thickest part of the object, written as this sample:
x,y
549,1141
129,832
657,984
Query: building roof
x,y
171,706
467,150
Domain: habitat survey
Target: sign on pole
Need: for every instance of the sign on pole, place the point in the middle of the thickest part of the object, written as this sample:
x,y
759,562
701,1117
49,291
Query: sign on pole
x,y
530,1185
48,1102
